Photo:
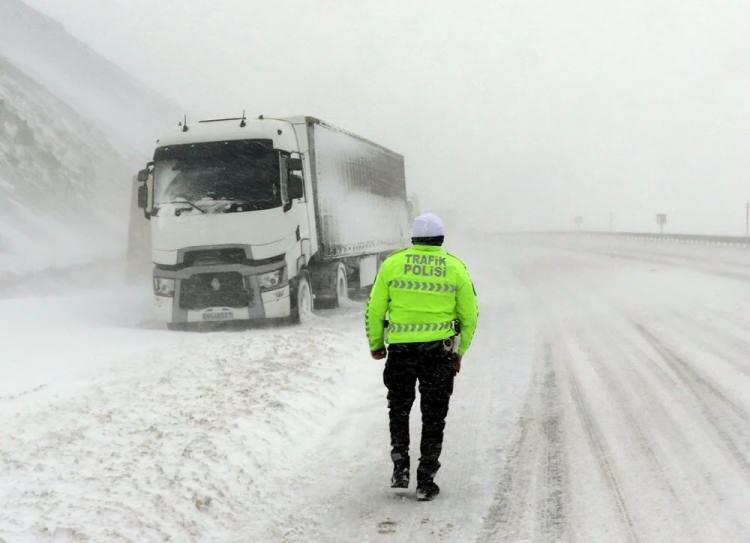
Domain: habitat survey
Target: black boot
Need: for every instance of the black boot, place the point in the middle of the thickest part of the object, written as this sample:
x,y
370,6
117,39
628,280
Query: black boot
x,y
426,487
427,490
401,464
400,477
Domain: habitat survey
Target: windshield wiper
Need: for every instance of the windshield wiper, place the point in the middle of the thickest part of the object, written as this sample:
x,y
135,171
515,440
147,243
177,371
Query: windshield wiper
x,y
182,201
248,205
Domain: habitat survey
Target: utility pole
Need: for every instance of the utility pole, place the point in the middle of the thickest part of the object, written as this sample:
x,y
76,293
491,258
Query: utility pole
x,y
747,220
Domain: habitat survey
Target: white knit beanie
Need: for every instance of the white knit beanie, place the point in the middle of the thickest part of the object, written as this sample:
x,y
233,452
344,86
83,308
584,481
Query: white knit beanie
x,y
427,225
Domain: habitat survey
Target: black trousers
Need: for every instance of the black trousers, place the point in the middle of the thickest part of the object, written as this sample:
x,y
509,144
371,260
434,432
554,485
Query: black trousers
x,y
429,364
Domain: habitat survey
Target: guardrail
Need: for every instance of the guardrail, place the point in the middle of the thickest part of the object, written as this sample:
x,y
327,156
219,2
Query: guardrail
x,y
682,238
679,238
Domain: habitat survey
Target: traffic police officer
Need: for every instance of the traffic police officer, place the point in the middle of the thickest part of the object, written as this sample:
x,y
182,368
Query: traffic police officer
x,y
422,299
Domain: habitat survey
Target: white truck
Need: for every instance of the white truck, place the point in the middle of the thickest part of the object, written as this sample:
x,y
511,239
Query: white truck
x,y
267,218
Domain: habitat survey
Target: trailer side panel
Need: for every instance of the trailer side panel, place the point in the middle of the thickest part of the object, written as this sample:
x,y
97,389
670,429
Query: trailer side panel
x,y
361,194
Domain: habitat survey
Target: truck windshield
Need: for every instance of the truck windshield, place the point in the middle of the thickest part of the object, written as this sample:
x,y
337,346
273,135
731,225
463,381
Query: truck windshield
x,y
221,176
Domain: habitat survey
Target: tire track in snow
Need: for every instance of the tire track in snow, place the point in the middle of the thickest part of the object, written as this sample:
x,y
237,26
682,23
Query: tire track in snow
x,y
609,340
674,484
702,481
665,448
580,406
604,463
551,508
504,514
645,363
536,469
687,373
705,336
640,361
625,406
697,384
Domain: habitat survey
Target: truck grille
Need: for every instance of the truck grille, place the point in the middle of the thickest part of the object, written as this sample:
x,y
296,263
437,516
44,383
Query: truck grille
x,y
230,255
214,289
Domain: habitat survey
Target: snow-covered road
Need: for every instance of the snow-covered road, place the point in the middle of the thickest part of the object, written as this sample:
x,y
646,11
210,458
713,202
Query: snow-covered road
x,y
636,426
606,398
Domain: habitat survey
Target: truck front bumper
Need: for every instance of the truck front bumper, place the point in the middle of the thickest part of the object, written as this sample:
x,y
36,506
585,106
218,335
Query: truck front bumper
x,y
221,293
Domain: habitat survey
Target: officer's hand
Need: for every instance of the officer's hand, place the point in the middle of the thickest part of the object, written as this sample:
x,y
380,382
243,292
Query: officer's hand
x,y
379,354
456,363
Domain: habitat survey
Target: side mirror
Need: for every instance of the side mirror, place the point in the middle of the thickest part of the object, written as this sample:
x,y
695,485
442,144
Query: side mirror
x,y
296,186
294,164
143,175
143,196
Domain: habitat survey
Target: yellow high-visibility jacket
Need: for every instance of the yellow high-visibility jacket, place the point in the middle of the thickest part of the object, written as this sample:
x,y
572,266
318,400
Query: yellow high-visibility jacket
x,y
421,290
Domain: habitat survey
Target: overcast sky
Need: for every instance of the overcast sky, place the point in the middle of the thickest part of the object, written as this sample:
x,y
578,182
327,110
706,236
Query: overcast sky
x,y
519,114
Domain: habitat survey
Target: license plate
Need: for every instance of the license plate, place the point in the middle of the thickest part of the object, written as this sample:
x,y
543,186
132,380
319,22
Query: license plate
x,y
218,315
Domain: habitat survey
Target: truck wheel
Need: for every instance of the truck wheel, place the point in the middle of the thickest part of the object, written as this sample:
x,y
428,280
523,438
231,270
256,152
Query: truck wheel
x,y
302,300
342,285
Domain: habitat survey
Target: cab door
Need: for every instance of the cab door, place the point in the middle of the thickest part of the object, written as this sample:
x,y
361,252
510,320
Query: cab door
x,y
294,195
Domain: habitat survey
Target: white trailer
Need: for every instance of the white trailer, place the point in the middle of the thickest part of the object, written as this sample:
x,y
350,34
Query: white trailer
x,y
267,218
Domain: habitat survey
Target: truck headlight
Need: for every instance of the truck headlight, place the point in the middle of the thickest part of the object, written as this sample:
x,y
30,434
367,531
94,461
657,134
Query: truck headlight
x,y
270,280
163,286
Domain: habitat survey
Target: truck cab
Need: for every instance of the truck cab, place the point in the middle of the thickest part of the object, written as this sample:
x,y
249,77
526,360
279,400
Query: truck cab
x,y
230,225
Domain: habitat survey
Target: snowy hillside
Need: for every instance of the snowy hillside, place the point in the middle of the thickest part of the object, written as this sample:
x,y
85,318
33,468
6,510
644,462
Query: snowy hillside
x,y
129,114
58,178
73,130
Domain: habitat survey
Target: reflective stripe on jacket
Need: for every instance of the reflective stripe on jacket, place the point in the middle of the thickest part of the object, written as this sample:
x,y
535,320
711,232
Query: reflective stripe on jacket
x,y
421,291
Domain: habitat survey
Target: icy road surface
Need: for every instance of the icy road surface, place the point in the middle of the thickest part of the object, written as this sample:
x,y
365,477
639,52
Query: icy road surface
x,y
606,398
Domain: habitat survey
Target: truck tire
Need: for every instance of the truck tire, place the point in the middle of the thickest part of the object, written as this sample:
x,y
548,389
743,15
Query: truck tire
x,y
330,283
342,285
302,299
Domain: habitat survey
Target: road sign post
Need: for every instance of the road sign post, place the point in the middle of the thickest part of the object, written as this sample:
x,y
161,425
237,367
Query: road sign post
x,y
661,220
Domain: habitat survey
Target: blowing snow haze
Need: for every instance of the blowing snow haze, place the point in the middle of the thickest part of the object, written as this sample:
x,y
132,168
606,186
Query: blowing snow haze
x,y
526,113
230,390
